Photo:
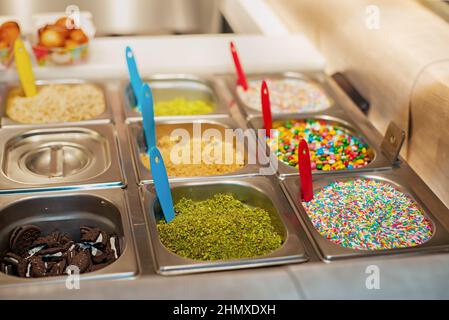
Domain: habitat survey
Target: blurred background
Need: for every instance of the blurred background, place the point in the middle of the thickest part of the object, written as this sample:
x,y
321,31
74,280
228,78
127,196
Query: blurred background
x,y
132,17
165,17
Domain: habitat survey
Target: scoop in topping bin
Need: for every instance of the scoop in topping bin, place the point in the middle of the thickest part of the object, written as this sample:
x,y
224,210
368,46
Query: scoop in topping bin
x,y
181,89
245,165
262,192
377,160
402,179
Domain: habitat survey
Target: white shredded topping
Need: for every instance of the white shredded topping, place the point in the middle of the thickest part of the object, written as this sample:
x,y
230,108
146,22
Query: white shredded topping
x,y
100,238
112,241
57,103
28,270
35,250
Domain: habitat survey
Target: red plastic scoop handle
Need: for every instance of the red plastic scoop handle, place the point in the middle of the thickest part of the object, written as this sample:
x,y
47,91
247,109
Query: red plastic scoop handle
x,y
241,77
266,108
305,171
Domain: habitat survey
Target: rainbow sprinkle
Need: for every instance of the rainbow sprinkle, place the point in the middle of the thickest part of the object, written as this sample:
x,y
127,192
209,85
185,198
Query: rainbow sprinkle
x,y
368,214
286,96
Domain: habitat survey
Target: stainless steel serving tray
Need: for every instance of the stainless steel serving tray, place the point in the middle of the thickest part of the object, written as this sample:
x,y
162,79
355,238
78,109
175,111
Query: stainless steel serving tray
x,y
66,212
164,127
6,88
170,86
403,179
378,162
259,191
62,157
318,78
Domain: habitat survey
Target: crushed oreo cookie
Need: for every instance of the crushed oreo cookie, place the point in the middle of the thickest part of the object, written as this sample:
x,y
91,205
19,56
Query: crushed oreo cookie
x,y
33,255
23,237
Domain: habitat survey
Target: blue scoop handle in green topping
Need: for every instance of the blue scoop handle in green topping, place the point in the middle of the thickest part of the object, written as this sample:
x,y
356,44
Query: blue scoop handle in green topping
x,y
134,76
161,183
146,99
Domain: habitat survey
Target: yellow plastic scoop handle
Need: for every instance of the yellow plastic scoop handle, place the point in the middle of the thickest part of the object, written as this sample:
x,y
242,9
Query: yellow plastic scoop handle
x,y
24,68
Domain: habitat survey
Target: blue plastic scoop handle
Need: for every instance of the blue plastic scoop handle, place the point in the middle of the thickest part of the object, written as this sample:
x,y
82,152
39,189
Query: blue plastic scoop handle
x,y
134,76
158,170
161,183
146,99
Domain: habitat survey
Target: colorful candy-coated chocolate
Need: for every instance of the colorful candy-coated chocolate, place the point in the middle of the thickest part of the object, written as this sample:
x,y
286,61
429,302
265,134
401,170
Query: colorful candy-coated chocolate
x,y
331,147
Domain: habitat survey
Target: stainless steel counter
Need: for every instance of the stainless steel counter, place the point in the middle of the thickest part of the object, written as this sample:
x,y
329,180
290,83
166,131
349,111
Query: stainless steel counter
x,y
424,277
311,279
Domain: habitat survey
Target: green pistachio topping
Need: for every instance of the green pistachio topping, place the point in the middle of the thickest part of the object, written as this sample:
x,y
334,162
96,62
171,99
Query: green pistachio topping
x,y
219,228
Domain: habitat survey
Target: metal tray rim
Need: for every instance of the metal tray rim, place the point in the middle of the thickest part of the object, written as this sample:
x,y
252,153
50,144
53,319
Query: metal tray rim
x,y
144,175
329,251
220,111
282,255
105,117
379,161
124,267
316,77
112,176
